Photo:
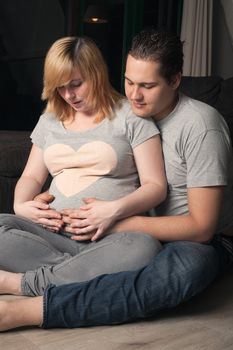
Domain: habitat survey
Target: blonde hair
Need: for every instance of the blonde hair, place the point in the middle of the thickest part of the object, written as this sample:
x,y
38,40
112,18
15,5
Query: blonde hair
x,y
66,55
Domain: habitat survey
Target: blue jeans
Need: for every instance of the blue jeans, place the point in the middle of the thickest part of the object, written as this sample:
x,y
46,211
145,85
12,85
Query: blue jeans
x,y
180,271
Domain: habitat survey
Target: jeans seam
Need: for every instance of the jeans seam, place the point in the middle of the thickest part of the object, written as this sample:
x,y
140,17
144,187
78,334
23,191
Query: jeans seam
x,y
45,309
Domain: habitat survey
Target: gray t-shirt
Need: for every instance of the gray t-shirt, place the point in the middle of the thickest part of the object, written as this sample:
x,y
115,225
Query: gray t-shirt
x,y
198,153
97,162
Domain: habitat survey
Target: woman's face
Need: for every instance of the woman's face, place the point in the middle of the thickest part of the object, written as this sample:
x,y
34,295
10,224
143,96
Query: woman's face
x,y
75,93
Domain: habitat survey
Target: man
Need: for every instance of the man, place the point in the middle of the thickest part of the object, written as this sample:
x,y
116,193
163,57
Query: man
x,y
195,223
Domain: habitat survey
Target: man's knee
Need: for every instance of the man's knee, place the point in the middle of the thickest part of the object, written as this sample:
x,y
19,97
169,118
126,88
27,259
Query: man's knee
x,y
193,261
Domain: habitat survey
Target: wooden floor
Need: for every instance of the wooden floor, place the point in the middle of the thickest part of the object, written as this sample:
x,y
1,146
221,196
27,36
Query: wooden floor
x,y
205,323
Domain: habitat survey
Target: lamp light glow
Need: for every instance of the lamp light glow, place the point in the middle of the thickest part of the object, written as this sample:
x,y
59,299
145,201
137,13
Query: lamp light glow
x,y
96,14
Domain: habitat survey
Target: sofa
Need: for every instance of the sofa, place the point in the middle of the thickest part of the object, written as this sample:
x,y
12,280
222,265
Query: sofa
x,y
15,145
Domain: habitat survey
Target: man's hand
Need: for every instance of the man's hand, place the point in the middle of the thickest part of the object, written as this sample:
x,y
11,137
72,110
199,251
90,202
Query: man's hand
x,y
72,224
44,197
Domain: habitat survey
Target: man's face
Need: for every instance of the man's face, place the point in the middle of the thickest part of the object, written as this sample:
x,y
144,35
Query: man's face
x,y
150,95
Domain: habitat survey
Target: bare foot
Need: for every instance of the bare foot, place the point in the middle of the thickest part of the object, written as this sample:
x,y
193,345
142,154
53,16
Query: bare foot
x,y
5,317
10,283
19,313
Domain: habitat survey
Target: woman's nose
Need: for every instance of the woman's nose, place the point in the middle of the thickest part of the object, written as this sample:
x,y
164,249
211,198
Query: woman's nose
x,y
70,93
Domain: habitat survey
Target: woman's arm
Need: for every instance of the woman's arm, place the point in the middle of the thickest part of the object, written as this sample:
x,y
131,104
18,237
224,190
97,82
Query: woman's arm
x,y
100,215
153,190
32,178
29,185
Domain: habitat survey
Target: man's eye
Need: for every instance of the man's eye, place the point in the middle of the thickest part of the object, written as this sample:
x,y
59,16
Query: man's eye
x,y
151,86
148,86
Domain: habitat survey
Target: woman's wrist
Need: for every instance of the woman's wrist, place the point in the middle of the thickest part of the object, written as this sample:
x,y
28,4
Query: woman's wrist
x,y
115,209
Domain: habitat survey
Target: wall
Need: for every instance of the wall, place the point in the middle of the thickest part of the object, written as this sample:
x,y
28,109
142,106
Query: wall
x,y
222,63
27,29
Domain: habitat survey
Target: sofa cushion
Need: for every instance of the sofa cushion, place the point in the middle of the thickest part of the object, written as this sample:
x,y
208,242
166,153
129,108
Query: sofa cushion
x,y
224,103
205,89
14,150
215,91
7,186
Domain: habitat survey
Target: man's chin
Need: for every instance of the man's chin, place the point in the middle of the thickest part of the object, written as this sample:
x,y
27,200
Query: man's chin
x,y
141,113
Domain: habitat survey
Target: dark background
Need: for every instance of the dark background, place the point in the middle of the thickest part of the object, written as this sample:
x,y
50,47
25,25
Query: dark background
x,y
29,27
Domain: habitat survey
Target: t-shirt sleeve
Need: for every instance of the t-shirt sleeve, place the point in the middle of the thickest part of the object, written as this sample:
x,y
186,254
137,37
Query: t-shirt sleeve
x,y
140,129
38,134
207,158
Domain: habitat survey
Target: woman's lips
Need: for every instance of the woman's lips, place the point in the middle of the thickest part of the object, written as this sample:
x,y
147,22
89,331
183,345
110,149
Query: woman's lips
x,y
77,103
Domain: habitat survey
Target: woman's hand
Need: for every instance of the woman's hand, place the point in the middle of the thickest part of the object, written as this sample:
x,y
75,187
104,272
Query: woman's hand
x,y
91,220
40,213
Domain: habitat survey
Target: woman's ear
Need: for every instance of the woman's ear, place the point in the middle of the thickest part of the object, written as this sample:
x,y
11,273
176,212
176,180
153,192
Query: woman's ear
x,y
175,81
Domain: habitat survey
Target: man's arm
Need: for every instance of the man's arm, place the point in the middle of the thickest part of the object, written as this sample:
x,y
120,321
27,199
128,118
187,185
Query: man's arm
x,y
198,226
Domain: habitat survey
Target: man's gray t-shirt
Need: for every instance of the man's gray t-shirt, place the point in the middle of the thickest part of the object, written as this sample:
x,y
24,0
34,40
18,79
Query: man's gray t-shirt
x,y
198,153
97,162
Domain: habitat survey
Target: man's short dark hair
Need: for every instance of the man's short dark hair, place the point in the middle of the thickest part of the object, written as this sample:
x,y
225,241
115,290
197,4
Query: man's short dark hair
x,y
163,47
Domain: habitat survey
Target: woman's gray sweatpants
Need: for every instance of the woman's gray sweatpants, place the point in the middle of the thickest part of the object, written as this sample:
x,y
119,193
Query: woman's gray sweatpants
x,y
52,258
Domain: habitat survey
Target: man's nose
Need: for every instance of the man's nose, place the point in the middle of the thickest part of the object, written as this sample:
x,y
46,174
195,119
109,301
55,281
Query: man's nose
x,y
136,93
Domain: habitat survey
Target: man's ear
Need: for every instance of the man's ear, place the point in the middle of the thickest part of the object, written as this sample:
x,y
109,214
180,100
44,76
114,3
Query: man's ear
x,y
175,81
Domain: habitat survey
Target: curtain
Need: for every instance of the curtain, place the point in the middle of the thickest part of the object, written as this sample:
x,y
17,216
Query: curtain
x,y
139,14
169,14
228,11
196,32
